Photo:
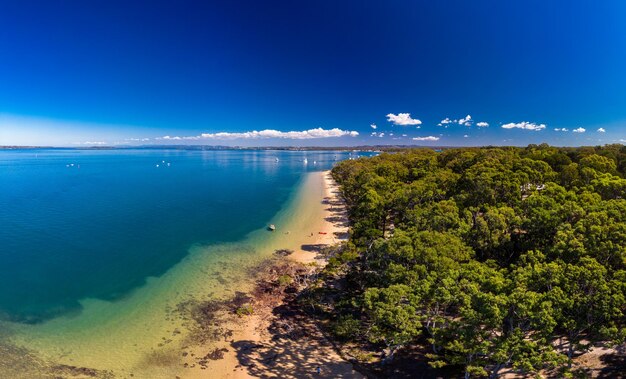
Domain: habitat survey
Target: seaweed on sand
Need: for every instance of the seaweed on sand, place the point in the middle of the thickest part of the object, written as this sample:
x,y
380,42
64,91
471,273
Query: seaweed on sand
x,y
205,320
18,362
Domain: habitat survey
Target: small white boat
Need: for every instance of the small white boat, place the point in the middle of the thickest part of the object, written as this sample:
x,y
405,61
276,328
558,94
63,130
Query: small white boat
x,y
305,160
271,227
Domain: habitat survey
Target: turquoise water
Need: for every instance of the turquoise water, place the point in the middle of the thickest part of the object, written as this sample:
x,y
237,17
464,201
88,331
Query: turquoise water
x,y
78,224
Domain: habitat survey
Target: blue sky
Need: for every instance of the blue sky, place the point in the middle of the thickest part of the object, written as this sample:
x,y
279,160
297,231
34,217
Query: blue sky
x,y
79,73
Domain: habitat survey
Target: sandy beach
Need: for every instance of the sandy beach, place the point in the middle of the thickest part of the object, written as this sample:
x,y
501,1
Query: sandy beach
x,y
253,351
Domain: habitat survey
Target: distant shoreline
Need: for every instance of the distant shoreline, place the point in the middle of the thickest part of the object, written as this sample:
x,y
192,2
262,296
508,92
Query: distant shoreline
x,y
219,147
364,148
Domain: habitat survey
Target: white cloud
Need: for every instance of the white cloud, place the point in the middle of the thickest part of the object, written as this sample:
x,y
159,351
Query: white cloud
x,y
403,119
601,130
465,136
579,130
381,135
93,143
268,133
137,139
391,134
561,129
445,122
429,138
466,121
524,125
179,138
404,135
373,126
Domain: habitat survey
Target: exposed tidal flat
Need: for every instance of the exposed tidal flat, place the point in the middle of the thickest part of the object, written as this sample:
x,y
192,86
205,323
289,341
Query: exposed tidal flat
x,y
144,332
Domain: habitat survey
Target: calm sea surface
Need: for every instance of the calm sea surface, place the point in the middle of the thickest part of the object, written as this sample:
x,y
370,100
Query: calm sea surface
x,y
78,224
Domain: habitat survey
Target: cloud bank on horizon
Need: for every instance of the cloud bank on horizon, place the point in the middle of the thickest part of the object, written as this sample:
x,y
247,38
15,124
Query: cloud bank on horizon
x,y
268,133
428,138
464,127
524,125
399,119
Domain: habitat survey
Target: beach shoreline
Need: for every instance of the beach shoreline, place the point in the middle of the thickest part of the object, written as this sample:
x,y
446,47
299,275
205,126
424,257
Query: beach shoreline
x,y
252,351
156,330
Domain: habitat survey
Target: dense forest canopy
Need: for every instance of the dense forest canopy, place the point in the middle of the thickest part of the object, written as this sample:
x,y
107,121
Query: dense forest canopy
x,y
499,258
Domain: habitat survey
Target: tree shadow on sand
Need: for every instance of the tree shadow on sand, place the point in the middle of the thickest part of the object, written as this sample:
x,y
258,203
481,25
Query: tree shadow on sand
x,y
614,364
296,349
338,214
319,249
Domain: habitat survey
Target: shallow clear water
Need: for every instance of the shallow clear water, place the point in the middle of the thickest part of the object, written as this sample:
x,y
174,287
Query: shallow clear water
x,y
77,224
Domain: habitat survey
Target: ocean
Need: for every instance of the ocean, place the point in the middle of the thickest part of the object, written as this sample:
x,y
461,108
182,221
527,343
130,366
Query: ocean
x,y
91,239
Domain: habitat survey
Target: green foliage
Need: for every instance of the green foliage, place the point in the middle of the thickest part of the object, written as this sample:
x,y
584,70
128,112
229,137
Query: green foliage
x,y
284,280
393,313
497,257
346,327
244,310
